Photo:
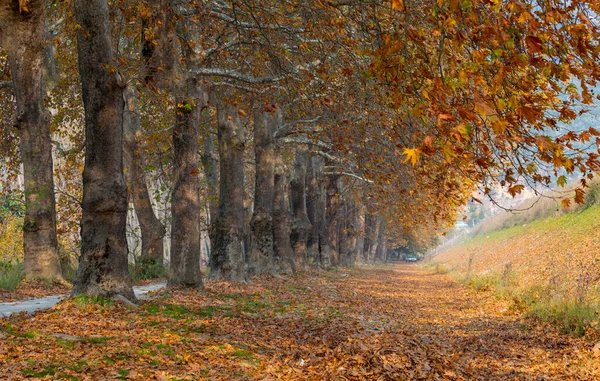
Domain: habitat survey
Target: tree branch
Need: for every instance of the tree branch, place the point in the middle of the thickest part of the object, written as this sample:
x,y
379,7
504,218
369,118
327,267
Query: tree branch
x,y
341,173
232,74
299,140
289,128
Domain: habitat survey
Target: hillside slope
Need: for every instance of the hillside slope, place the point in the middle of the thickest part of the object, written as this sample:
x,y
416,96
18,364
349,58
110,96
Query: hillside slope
x,y
560,255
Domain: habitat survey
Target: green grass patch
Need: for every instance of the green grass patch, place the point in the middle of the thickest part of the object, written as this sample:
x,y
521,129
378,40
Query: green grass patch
x,y
85,300
571,317
436,267
10,329
50,370
11,275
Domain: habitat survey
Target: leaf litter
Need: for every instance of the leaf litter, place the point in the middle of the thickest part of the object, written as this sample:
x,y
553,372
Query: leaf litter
x,y
379,323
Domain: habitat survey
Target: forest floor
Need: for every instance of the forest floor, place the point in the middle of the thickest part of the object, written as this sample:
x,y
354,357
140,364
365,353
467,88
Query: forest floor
x,y
29,289
395,322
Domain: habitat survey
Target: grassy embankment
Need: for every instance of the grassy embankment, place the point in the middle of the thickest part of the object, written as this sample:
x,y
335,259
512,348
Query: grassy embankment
x,y
549,267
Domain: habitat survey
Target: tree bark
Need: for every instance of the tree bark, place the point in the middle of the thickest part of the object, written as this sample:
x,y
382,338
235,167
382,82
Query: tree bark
x,y
227,260
315,209
153,231
370,235
381,249
330,232
185,200
211,175
103,269
162,68
25,38
350,242
284,255
301,224
349,231
260,259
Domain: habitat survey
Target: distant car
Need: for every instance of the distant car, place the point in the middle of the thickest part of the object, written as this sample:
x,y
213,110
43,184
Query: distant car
x,y
411,259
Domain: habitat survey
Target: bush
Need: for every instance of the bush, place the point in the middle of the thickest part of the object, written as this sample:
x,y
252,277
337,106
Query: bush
x,y
146,268
482,282
11,274
436,267
570,316
592,195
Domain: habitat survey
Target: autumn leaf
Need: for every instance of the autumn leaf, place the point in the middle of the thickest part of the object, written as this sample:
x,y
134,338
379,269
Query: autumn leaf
x,y
24,6
413,155
516,189
579,196
397,4
534,44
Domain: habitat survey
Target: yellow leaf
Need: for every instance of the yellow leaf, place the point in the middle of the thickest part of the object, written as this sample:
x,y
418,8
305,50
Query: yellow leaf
x,y
449,153
501,104
24,6
413,155
397,4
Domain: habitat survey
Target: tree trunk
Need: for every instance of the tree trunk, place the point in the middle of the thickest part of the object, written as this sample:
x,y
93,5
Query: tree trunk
x,y
210,165
153,231
227,261
284,257
315,208
185,201
301,224
370,235
381,250
348,233
24,38
260,259
330,232
103,269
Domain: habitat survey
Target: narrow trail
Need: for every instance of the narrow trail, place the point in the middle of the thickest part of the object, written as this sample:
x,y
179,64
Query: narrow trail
x,y
472,336
396,322
36,304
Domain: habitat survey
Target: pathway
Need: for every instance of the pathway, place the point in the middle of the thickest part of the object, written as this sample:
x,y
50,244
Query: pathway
x,y
32,305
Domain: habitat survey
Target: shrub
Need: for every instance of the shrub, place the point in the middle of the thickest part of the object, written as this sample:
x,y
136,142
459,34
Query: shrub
x,y
592,195
482,282
436,267
570,316
11,239
146,268
11,274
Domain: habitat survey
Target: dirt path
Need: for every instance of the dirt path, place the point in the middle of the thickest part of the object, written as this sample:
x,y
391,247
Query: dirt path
x,y
392,323
36,304
472,336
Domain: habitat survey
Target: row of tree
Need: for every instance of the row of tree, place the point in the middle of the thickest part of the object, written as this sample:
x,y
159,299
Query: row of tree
x,y
371,123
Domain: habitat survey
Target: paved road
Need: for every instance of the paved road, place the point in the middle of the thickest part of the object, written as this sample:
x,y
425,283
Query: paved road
x,y
32,305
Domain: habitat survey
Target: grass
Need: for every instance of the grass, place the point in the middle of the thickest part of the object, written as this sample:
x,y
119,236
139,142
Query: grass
x,y
84,300
436,267
11,275
574,317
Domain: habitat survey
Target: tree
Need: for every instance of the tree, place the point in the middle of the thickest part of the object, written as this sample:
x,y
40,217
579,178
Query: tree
x,y
103,267
153,231
185,202
300,223
227,260
261,256
24,36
